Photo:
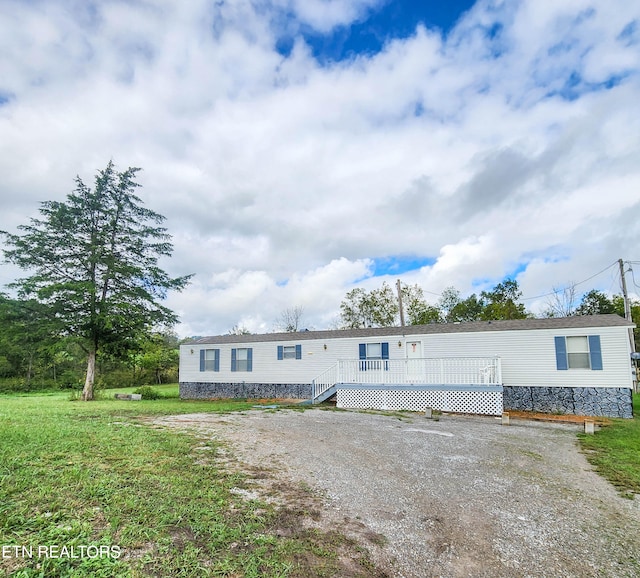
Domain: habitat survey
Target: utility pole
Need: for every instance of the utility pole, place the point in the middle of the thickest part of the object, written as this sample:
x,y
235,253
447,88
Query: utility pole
x,y
627,306
627,316
398,285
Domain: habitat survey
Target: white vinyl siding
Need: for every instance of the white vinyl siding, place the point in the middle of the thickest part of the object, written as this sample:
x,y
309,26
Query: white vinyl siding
x,y
528,356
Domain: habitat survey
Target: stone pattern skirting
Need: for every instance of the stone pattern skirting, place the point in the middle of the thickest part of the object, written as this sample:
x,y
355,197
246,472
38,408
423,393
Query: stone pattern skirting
x,y
595,401
200,390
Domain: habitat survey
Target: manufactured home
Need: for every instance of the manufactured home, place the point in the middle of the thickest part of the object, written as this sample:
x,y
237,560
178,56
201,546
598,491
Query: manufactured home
x,y
576,365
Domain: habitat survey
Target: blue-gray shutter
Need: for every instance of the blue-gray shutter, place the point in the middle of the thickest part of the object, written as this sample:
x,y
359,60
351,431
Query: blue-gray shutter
x,y
250,359
202,360
595,352
362,348
298,351
561,353
216,362
385,354
280,352
233,360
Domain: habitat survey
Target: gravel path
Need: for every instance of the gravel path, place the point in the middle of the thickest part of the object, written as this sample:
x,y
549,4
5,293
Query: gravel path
x,y
461,496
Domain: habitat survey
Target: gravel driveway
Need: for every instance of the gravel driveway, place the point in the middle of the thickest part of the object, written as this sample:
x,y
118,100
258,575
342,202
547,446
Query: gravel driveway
x,y
461,496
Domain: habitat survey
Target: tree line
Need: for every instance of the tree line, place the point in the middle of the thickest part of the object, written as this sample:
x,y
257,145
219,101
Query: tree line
x,y
380,307
33,355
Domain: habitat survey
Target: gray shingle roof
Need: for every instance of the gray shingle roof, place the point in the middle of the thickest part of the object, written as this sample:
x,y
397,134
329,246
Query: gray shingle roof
x,y
577,321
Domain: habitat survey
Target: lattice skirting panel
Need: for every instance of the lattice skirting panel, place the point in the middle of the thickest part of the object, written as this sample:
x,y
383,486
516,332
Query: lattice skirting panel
x,y
477,402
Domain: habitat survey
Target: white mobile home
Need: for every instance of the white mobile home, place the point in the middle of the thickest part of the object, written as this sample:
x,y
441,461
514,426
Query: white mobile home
x,y
577,365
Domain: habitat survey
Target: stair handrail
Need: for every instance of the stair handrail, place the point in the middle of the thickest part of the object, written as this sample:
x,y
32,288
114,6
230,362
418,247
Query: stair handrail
x,y
326,380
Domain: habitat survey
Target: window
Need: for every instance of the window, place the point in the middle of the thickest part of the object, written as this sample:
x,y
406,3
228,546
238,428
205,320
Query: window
x,y
578,352
374,350
209,360
371,353
241,359
289,352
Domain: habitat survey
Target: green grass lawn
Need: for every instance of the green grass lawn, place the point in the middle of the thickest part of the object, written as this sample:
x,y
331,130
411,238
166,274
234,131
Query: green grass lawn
x,y
86,476
615,451
97,479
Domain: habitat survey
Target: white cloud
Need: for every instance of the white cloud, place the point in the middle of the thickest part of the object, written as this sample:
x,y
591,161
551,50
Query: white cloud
x,y
490,150
254,300
325,15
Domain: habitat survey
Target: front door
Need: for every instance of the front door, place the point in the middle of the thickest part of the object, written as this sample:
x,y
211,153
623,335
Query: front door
x,y
414,359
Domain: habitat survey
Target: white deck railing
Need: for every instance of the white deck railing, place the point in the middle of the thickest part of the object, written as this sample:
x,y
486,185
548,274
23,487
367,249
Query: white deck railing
x,y
423,371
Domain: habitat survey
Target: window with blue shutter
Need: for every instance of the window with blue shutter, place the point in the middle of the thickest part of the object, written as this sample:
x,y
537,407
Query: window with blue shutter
x,y
371,355
578,352
289,352
242,359
209,360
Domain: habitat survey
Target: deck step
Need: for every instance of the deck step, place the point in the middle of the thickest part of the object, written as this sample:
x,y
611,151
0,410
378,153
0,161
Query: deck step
x,y
325,395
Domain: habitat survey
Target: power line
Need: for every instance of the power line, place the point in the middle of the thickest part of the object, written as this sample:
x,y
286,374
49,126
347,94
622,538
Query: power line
x,y
570,286
633,277
615,278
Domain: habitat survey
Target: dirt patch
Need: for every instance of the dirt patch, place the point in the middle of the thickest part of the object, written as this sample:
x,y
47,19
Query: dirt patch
x,y
559,418
411,497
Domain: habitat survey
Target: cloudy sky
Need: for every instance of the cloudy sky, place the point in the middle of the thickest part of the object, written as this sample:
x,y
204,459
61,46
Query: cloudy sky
x,y
300,148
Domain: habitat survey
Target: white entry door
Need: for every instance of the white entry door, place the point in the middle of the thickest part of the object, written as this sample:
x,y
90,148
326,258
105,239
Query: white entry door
x,y
414,359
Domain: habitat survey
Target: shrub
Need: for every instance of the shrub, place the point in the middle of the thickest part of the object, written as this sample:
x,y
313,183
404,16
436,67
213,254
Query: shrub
x,y
148,392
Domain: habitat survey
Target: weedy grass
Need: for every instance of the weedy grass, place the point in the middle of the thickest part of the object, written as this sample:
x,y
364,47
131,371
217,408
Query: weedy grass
x,y
80,475
614,451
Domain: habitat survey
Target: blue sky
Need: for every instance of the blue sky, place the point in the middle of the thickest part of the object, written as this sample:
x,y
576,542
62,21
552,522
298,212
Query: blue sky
x,y
301,148
377,26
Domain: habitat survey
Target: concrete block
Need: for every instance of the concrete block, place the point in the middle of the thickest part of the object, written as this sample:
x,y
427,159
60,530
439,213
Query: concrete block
x,y
129,396
589,426
505,418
